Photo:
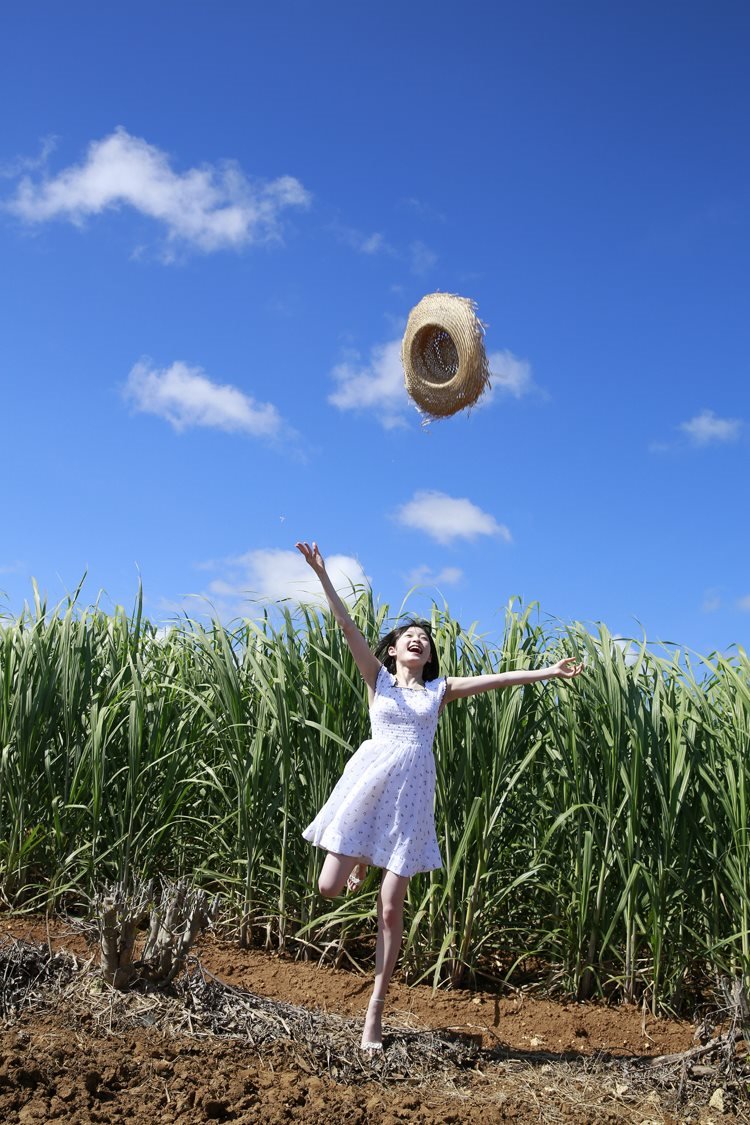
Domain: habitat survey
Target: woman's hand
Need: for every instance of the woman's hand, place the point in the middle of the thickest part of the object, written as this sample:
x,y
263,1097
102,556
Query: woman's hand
x,y
566,668
312,557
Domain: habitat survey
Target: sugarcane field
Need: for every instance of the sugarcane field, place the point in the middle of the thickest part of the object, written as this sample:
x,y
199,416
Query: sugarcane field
x,y
162,943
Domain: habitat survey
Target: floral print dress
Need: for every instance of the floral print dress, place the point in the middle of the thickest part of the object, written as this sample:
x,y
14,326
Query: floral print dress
x,y
382,808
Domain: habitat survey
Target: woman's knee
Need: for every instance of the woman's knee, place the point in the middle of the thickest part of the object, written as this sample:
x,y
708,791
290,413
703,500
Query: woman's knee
x,y
392,916
327,887
391,901
333,875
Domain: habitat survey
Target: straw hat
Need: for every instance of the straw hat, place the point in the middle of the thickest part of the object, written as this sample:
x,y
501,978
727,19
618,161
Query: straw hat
x,y
445,364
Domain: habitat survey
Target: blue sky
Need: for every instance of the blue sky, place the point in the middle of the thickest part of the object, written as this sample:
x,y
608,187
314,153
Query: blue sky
x,y
214,220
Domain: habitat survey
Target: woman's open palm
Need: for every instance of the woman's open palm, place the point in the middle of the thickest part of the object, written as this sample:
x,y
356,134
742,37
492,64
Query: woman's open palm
x,y
567,668
312,556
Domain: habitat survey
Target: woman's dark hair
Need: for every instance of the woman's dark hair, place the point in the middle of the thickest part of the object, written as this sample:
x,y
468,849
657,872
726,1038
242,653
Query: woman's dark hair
x,y
431,669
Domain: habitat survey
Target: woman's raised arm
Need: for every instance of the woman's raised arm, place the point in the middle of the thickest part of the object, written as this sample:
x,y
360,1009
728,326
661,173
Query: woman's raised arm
x,y
458,687
365,660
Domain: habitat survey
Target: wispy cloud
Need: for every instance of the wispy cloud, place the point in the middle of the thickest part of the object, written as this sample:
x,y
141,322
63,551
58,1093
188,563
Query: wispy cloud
x,y
209,208
184,396
20,165
446,518
376,386
708,429
372,244
422,208
711,600
743,603
417,255
272,574
369,244
421,258
426,576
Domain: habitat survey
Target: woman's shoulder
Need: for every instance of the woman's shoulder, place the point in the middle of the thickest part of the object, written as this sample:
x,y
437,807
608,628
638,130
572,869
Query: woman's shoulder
x,y
383,678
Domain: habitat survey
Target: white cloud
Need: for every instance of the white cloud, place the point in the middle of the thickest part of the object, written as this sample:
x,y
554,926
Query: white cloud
x,y
711,601
744,603
377,386
425,576
210,207
706,428
446,518
510,374
185,397
274,575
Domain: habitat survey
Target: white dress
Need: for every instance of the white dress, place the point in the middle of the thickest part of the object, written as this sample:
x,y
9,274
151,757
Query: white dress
x,y
382,808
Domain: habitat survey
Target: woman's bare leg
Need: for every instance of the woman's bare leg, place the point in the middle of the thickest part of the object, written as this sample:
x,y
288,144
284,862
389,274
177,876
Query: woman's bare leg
x,y
390,932
335,872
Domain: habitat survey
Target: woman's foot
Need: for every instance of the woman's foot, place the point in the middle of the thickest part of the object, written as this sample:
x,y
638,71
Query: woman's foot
x,y
357,877
372,1032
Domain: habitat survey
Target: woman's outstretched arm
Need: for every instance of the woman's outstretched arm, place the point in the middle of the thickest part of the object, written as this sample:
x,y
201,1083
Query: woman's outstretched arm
x,y
458,687
365,660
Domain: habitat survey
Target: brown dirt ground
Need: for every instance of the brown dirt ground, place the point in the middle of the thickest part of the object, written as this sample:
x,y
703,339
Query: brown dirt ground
x,y
54,1070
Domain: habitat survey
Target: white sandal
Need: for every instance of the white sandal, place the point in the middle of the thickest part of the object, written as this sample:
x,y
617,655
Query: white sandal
x,y
356,878
371,1049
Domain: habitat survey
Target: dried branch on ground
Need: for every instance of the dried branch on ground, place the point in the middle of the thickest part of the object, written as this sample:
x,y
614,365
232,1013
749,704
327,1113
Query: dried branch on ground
x,y
172,918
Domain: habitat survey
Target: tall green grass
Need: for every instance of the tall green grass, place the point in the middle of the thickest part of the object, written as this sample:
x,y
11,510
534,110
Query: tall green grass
x,y
594,831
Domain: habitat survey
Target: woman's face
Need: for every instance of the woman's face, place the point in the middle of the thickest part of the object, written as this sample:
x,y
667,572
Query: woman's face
x,y
412,648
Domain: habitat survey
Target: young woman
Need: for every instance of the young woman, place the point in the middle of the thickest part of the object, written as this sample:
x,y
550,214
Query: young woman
x,y
381,810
